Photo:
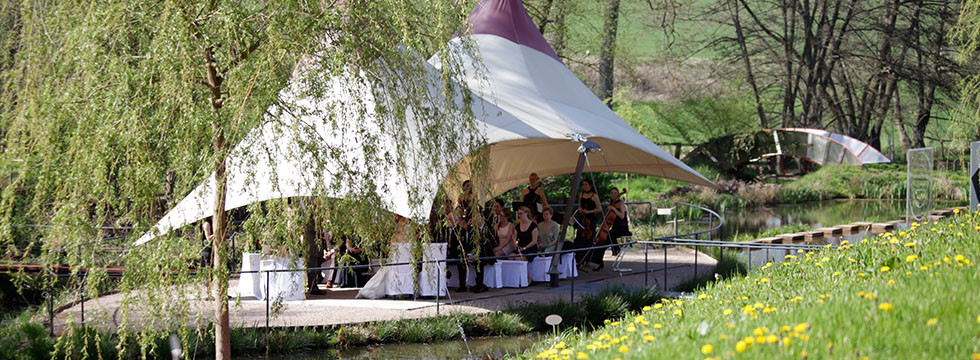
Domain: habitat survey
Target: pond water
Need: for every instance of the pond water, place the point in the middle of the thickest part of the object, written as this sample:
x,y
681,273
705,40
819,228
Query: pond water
x,y
815,214
481,348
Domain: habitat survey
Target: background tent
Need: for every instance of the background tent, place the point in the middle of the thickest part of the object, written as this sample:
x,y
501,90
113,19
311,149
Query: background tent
x,y
519,73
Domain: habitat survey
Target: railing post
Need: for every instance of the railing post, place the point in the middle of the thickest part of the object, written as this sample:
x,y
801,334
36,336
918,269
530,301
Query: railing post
x,y
267,296
665,266
438,284
81,293
675,221
51,303
571,292
646,265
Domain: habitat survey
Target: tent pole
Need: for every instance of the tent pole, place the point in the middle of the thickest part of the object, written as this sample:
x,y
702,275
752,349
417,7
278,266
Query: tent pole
x,y
566,218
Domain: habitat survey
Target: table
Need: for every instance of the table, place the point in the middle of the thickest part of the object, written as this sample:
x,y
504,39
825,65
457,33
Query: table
x,y
248,283
284,286
513,273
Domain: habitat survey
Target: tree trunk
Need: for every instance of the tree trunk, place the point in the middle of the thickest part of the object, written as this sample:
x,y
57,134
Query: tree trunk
x,y
927,96
900,122
607,53
222,333
740,37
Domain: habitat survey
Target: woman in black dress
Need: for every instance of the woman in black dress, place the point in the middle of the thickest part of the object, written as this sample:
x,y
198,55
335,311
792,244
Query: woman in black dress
x,y
533,197
589,210
527,233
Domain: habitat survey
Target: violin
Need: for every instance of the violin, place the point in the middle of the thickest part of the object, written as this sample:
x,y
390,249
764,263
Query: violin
x,y
602,238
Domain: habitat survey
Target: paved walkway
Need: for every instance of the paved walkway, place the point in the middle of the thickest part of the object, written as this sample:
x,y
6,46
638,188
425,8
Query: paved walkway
x,y
338,306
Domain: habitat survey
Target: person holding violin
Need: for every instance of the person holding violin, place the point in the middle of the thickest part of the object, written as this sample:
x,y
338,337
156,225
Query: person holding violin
x,y
526,232
589,210
616,223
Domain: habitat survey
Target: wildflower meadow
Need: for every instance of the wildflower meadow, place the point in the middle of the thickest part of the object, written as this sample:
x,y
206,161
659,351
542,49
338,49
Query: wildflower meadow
x,y
908,294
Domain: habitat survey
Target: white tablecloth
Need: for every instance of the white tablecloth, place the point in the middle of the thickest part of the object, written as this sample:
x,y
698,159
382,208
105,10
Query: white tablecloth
x,y
513,273
248,283
284,286
491,276
433,275
539,268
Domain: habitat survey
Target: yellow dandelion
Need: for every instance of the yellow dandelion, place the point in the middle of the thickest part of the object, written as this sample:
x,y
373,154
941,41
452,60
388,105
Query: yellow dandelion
x,y
581,355
727,312
624,349
648,338
911,258
707,349
931,322
885,306
885,268
657,326
741,346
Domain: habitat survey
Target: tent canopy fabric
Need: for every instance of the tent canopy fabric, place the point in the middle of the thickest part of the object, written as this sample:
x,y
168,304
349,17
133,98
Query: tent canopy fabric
x,y
519,73
864,152
300,152
528,108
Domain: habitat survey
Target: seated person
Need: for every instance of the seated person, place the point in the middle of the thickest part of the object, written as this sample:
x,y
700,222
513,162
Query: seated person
x,y
351,276
526,232
506,243
548,231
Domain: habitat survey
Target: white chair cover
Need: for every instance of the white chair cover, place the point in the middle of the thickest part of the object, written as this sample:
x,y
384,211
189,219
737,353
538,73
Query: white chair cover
x,y
401,279
539,268
433,275
513,273
248,283
567,266
284,286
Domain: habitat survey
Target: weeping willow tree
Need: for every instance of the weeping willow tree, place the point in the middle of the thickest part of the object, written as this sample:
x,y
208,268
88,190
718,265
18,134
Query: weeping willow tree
x,y
112,111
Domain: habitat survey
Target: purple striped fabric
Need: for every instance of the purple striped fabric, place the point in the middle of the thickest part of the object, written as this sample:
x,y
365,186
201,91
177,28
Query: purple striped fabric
x,y
508,19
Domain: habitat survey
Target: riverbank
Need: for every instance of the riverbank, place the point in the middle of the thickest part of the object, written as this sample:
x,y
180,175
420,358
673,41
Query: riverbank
x,y
884,181
905,294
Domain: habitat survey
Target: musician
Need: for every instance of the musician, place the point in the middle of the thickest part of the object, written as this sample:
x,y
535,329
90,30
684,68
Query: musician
x,y
620,227
474,239
589,209
533,197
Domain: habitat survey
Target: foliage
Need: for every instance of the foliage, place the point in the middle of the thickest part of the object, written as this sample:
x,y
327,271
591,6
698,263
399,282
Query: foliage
x,y
690,121
899,295
111,112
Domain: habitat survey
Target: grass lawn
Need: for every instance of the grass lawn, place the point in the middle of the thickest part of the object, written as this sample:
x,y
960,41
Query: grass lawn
x,y
908,295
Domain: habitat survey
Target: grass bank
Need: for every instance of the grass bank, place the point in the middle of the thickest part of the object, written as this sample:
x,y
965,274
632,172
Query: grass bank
x,y
910,295
845,181
23,337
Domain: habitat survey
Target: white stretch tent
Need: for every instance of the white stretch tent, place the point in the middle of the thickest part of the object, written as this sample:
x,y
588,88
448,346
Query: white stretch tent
x,y
521,75
863,151
529,107
301,153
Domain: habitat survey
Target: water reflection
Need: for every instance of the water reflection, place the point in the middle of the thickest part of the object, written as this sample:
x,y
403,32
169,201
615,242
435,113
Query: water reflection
x,y
815,214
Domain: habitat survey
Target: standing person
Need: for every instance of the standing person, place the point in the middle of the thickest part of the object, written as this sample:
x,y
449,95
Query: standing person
x,y
527,233
505,235
589,209
533,197
468,247
547,231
